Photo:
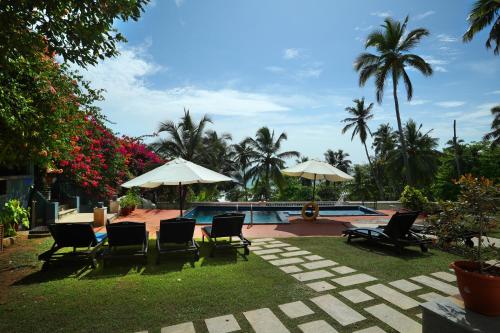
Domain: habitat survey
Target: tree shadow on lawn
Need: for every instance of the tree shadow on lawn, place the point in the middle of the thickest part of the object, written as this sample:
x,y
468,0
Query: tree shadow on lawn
x,y
408,253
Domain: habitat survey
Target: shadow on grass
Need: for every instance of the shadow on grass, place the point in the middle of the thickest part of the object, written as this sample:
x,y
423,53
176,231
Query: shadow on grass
x,y
408,253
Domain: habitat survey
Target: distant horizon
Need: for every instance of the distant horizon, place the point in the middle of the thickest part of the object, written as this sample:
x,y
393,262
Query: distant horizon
x,y
288,65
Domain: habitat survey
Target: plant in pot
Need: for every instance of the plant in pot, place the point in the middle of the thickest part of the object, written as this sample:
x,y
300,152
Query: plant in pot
x,y
12,215
478,282
129,202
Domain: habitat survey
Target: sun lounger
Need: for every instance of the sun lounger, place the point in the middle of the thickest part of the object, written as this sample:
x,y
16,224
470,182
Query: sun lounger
x,y
226,226
128,235
176,235
397,232
75,235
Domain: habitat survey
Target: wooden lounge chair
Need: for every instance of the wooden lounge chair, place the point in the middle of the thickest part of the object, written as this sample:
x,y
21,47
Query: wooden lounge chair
x,y
127,234
75,235
397,232
225,226
176,235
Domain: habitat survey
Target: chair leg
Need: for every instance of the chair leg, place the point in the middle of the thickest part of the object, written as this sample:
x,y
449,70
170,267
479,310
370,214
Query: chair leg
x,y
247,251
349,238
424,248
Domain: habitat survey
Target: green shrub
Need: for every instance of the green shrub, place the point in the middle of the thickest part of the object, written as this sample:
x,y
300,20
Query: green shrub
x,y
14,213
412,198
130,200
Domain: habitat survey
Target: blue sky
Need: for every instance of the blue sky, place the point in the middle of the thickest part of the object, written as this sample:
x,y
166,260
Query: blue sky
x,y
287,64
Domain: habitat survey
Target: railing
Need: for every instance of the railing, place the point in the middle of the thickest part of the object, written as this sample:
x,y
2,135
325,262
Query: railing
x,y
370,204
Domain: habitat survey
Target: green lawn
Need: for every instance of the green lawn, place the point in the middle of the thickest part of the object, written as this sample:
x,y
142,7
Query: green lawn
x,y
129,296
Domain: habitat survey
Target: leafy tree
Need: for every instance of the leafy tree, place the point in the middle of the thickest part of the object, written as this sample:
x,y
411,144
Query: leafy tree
x,y
217,153
482,14
338,159
359,126
185,139
269,160
494,135
384,140
243,156
393,45
79,31
362,187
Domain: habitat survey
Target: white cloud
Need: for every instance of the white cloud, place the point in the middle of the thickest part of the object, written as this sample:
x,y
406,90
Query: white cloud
x,y
415,102
291,53
275,69
446,38
367,28
309,72
179,3
425,14
494,92
437,64
450,104
381,14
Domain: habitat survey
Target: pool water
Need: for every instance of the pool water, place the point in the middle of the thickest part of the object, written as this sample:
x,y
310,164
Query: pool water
x,y
273,215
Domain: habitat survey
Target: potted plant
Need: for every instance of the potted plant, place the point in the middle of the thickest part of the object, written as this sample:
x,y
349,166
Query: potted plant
x,y
478,282
129,202
12,215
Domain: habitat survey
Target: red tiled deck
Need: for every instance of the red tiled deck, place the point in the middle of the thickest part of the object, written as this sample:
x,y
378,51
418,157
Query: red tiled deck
x,y
297,227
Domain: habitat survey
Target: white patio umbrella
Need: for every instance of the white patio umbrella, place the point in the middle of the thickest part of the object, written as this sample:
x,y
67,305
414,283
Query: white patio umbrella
x,y
177,172
317,170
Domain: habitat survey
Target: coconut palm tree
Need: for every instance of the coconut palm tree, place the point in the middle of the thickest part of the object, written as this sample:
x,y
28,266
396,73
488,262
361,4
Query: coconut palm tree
x,y
338,159
482,14
269,159
391,61
217,154
243,156
185,139
494,135
359,126
384,140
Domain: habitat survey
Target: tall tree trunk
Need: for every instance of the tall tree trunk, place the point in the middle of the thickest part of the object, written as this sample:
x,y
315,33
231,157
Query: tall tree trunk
x,y
455,148
401,133
377,181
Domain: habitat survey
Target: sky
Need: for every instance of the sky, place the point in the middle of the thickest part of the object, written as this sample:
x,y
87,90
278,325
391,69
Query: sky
x,y
288,65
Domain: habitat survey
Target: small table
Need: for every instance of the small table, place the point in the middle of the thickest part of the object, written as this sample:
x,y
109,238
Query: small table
x,y
450,315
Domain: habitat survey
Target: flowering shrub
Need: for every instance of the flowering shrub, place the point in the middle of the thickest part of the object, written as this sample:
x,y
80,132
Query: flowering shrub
x,y
138,157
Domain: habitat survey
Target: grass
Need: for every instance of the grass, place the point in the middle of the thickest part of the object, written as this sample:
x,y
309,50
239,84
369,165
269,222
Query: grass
x,y
129,296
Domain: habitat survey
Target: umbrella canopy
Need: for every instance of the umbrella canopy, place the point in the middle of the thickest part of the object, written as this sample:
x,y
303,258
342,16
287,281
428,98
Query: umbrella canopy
x,y
175,172
317,170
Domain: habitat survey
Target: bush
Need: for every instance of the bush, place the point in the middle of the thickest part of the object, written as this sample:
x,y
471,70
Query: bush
x,y
412,198
13,213
130,200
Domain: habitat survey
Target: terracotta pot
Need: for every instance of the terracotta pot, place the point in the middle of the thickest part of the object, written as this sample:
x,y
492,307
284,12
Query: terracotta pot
x,y
126,210
480,292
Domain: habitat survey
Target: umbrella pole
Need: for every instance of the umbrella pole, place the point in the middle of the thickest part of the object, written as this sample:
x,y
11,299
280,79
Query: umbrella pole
x,y
314,187
180,198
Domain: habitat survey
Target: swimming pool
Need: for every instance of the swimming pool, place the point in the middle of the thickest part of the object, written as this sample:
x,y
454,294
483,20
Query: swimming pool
x,y
273,215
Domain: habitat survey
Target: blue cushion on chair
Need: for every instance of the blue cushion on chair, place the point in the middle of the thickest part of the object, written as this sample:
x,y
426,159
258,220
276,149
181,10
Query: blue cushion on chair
x,y
100,236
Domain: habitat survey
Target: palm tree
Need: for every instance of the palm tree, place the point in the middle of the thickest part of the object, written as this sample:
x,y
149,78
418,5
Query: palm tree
x,y
393,44
269,159
185,139
423,156
495,127
243,156
217,153
482,14
384,140
359,125
338,159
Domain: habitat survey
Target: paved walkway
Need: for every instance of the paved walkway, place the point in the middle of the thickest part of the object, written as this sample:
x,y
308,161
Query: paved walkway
x,y
296,227
339,287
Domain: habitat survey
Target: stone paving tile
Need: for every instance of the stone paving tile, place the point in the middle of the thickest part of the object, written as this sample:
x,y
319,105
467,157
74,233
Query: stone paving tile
x,y
276,242
319,264
436,284
393,296
431,296
373,329
222,324
337,310
445,276
265,321
142,332
270,257
356,296
179,328
262,240
419,315
312,275
405,285
394,319
296,309
291,269
268,251
295,253
292,248
287,261
317,326
255,247
343,270
320,286
273,246
314,257
354,279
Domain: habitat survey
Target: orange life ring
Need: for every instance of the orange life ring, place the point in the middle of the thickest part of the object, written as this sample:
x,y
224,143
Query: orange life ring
x,y
307,206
